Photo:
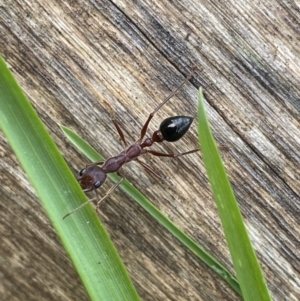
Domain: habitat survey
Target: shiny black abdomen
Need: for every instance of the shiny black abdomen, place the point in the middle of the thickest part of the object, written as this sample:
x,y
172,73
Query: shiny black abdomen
x,y
173,128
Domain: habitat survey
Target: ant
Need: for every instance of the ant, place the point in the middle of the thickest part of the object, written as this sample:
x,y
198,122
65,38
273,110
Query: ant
x,y
171,129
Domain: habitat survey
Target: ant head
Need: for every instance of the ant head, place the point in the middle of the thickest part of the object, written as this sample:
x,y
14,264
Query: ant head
x,y
91,178
173,128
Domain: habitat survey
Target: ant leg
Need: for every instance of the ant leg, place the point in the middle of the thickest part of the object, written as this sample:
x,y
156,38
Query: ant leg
x,y
172,155
148,168
79,207
110,191
95,163
144,129
121,134
112,114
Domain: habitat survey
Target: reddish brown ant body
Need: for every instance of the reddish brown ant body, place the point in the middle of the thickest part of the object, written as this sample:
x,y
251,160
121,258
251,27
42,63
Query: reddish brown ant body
x,y
171,129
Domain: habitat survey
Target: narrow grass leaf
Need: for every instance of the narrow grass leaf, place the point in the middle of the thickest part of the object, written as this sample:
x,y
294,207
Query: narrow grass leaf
x,y
187,241
85,239
246,265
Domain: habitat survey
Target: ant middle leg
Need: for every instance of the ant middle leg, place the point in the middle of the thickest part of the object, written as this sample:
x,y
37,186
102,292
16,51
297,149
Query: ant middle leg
x,y
148,168
145,127
120,132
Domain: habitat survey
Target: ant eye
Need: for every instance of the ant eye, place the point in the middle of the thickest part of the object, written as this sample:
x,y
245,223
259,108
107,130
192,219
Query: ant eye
x,y
82,171
97,184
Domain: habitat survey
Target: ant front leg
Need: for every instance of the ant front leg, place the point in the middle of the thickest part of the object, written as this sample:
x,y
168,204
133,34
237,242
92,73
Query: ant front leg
x,y
109,192
79,207
95,163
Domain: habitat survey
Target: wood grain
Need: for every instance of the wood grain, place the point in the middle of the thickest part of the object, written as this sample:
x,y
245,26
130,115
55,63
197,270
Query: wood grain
x,y
79,62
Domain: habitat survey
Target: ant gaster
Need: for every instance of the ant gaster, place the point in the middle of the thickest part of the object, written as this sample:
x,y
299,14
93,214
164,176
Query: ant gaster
x,y
171,129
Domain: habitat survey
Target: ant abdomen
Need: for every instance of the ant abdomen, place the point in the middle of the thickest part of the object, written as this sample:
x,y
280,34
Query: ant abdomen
x,y
173,128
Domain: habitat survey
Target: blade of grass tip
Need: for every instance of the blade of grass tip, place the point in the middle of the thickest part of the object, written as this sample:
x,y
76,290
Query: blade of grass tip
x,y
246,265
187,241
93,254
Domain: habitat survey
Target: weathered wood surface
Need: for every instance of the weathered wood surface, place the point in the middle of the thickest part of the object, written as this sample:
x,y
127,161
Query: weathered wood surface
x,y
80,60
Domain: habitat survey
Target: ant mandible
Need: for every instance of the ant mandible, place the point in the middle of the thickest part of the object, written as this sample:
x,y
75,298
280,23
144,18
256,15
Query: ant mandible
x,y
171,129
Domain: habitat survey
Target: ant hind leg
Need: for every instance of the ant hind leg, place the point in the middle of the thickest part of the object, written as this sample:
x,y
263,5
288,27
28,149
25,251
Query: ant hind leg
x,y
171,155
145,127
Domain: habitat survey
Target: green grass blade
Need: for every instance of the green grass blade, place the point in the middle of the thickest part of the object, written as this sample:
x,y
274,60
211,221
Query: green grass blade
x,y
94,256
91,153
248,271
